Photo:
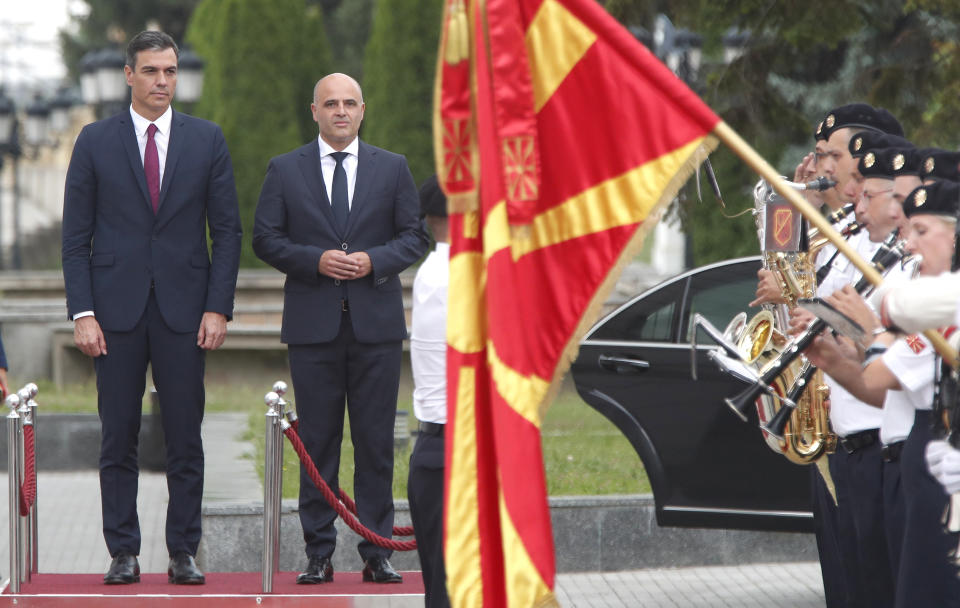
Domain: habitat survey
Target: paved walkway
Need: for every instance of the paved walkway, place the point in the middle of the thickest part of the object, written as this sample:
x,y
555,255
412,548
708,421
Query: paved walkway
x,y
71,541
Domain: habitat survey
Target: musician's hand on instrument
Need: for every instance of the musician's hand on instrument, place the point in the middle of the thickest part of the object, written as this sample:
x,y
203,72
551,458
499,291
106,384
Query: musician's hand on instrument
x,y
807,171
768,289
935,452
800,319
852,304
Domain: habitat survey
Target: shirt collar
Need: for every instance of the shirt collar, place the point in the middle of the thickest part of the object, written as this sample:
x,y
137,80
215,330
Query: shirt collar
x,y
352,148
140,123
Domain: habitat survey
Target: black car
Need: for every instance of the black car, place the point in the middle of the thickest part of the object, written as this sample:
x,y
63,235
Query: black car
x,y
706,466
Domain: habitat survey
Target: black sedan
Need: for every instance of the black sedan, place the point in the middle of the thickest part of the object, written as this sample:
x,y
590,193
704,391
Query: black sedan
x,y
706,466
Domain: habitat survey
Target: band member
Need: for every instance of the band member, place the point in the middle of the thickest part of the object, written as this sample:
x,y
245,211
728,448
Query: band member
x,y
925,577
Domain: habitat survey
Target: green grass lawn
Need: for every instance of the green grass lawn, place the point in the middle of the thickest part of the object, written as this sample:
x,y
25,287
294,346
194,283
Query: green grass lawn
x,y
583,452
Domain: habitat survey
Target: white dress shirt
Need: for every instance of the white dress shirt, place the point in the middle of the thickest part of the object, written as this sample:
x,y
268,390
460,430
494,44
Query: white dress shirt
x,y
161,137
428,336
329,163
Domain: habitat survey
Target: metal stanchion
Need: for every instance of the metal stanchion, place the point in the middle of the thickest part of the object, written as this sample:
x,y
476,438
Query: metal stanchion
x,y
25,536
280,388
34,525
14,435
271,495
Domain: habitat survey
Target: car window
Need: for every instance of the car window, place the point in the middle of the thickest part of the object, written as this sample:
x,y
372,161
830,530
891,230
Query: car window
x,y
648,319
719,294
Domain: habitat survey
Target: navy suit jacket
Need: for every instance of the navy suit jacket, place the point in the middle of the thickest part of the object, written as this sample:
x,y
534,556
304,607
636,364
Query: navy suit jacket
x,y
113,244
294,225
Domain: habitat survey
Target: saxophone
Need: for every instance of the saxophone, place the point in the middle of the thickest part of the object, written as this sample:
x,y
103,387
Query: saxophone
x,y
760,342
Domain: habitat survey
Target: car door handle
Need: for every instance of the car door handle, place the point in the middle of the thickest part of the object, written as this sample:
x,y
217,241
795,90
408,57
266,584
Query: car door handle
x,y
622,365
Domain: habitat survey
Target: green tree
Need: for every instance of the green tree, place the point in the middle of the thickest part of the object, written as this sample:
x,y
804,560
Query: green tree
x,y
398,80
801,60
262,59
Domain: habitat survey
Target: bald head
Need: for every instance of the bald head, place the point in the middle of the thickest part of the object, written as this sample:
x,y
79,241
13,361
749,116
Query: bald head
x,y
340,77
338,109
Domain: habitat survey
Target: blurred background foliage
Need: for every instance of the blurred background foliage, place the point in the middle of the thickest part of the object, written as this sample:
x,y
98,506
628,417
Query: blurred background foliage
x,y
798,61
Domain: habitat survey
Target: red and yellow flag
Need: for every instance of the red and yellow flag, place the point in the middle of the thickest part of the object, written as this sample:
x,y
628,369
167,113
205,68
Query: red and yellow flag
x,y
559,138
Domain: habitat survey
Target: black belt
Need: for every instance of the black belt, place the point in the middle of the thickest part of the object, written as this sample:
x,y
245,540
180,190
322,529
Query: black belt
x,y
857,441
431,428
891,451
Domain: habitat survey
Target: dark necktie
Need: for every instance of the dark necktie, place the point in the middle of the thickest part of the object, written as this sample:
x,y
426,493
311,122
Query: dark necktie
x,y
338,193
151,166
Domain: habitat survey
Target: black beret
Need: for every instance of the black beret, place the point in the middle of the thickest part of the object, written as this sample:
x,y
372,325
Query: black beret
x,y
888,163
865,141
939,164
938,198
858,116
432,199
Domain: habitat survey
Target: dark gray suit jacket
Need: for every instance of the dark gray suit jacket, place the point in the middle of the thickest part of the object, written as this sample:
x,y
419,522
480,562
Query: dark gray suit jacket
x,y
113,244
294,225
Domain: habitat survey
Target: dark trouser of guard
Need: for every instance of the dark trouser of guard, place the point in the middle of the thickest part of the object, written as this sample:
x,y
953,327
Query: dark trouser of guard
x,y
894,507
425,491
826,526
177,364
926,576
362,379
861,475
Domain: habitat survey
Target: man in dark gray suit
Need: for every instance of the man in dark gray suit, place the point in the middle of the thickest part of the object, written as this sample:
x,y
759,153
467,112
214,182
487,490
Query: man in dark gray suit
x,y
141,191
340,218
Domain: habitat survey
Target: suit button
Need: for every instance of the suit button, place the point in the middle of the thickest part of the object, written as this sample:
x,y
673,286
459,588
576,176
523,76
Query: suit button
x,y
343,246
336,281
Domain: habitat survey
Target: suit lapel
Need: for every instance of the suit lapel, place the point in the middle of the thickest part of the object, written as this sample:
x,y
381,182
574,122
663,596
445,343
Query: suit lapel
x,y
366,172
175,145
310,168
129,138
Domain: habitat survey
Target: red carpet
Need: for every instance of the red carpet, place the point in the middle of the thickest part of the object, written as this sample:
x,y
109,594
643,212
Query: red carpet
x,y
222,589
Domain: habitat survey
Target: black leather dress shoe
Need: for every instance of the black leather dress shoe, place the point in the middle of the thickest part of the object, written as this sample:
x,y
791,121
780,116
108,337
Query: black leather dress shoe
x,y
124,569
379,570
183,571
319,570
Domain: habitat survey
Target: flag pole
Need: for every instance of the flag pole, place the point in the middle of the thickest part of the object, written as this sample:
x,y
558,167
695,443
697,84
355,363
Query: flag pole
x,y
816,219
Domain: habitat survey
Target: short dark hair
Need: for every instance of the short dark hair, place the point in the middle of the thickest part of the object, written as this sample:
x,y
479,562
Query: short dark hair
x,y
149,40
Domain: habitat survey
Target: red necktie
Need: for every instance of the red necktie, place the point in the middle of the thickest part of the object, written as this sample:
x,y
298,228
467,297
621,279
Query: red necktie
x,y
151,166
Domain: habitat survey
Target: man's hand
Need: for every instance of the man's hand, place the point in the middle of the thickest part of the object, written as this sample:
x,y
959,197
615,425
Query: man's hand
x,y
850,303
88,337
337,264
800,319
364,267
827,351
768,289
213,330
807,171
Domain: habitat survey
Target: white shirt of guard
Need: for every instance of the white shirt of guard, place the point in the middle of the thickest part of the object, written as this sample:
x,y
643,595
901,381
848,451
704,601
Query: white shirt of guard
x,y
428,336
848,414
912,360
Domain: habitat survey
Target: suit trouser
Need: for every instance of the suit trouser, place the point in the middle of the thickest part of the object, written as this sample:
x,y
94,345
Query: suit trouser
x,y
177,365
858,477
826,521
425,491
926,577
894,512
363,379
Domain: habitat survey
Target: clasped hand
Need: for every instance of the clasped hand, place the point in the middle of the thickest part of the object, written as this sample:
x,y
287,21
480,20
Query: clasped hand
x,y
338,264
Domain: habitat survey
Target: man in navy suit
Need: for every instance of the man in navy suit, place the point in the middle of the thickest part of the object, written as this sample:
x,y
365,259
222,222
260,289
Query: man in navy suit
x,y
142,189
340,218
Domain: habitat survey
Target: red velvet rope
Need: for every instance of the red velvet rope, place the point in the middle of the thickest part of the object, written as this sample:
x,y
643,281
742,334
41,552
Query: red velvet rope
x,y
28,489
339,507
352,506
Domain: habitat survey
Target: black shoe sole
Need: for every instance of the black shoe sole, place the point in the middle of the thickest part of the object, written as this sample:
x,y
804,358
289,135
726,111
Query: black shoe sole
x,y
122,581
367,578
313,580
186,581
